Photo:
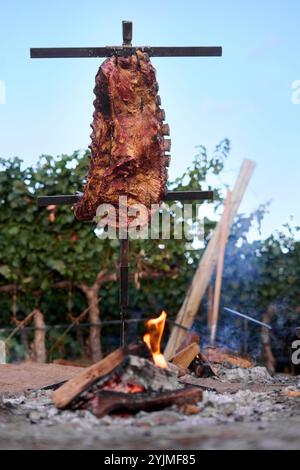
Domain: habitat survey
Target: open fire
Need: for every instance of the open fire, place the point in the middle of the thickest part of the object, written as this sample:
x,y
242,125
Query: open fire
x,y
155,328
132,378
116,385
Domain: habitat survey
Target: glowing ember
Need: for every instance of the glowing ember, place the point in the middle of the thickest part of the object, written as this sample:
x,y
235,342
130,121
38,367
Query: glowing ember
x,y
152,338
117,386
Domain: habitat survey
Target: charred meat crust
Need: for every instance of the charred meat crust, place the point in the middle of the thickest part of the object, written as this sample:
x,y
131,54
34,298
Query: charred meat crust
x,y
127,148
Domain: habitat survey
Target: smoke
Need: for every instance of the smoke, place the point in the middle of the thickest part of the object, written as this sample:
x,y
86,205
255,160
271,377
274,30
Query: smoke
x,y
234,334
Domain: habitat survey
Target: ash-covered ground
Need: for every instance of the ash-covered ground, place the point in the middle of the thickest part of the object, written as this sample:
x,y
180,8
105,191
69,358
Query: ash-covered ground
x,y
243,419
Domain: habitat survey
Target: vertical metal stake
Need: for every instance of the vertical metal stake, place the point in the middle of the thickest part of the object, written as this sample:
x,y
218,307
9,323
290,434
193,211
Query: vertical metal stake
x,y
124,268
127,33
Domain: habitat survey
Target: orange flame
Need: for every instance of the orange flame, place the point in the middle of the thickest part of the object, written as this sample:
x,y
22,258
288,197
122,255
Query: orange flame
x,y
152,338
116,385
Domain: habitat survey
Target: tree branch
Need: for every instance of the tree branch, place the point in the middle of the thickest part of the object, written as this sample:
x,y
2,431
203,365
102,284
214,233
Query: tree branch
x,y
8,288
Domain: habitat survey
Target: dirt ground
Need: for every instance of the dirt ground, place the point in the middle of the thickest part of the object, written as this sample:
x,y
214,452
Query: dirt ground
x,y
247,416
16,378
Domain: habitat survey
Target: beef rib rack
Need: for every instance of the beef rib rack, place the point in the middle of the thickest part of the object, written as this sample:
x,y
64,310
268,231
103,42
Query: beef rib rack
x,y
128,149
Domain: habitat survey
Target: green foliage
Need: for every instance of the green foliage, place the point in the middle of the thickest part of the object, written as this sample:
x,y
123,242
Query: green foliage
x,y
41,247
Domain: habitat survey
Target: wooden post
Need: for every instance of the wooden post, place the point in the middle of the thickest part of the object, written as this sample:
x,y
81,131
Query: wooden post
x,y
189,309
218,286
266,349
123,294
40,354
210,305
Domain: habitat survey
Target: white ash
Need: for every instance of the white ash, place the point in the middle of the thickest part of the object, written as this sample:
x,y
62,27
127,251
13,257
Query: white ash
x,y
288,380
142,372
38,408
243,406
239,375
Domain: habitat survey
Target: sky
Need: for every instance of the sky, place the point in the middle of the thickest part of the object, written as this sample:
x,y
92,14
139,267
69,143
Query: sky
x,y
247,95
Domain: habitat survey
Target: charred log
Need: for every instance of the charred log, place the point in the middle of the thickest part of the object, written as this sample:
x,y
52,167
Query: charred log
x,y
106,402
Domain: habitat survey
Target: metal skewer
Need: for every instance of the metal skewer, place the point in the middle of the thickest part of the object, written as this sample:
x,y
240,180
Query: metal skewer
x,y
242,315
125,50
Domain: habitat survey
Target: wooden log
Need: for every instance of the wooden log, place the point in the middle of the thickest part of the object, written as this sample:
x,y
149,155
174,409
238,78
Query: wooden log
x,y
220,355
97,375
63,396
190,306
220,264
184,357
210,305
202,367
190,338
108,402
40,354
266,349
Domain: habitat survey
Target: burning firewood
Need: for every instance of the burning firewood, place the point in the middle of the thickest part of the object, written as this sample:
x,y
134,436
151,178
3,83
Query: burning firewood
x,y
190,338
68,392
103,369
202,367
107,402
186,356
125,380
131,378
153,337
220,355
179,371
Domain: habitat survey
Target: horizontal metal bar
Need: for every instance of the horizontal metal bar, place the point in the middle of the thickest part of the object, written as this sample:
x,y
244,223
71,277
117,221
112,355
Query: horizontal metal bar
x,y
189,196
59,200
186,51
43,201
166,51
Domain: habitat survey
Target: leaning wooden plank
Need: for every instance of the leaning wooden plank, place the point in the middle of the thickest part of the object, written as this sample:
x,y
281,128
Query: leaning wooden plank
x,y
189,309
184,357
218,285
77,390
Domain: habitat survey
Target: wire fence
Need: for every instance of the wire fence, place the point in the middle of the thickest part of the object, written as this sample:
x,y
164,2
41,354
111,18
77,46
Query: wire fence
x,y
69,340
86,325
